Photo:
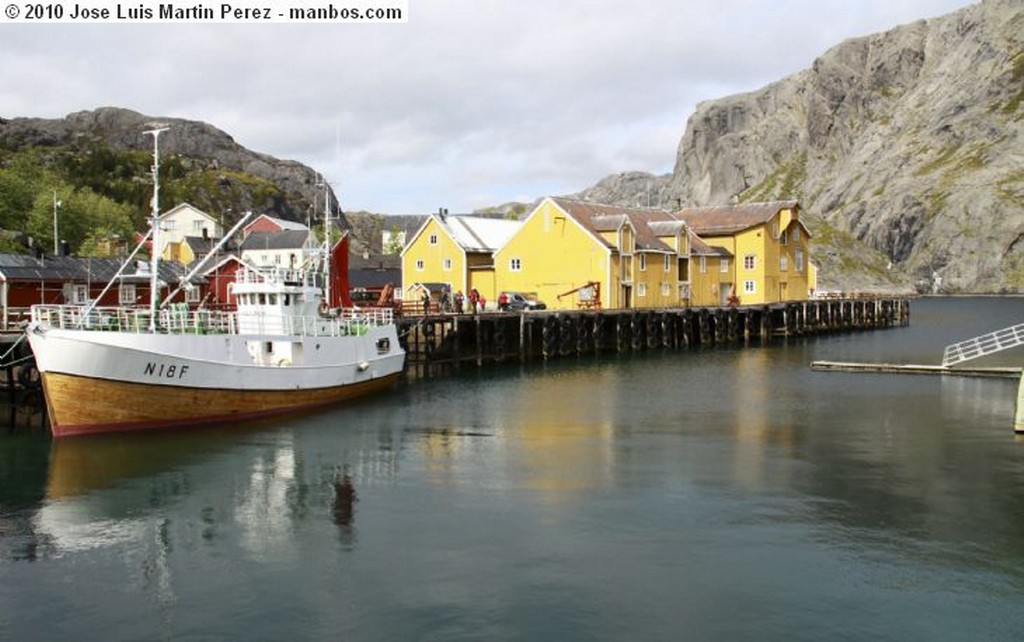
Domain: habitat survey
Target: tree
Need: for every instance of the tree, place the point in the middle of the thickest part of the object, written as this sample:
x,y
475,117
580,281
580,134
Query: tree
x,y
83,215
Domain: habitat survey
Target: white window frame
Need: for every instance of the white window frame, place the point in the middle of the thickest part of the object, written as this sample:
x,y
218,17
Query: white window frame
x,y
126,294
668,263
750,262
641,290
723,264
447,265
666,289
783,263
750,286
642,261
192,295
515,265
799,256
420,265
796,234
703,265
433,239
79,294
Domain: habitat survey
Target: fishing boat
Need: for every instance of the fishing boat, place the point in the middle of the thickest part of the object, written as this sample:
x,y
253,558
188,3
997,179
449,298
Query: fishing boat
x,y
283,349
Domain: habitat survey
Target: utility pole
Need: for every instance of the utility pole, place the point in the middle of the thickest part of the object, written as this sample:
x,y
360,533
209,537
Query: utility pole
x,y
56,239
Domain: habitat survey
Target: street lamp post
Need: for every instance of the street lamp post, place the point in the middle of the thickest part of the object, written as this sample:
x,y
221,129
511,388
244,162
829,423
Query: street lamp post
x,y
56,239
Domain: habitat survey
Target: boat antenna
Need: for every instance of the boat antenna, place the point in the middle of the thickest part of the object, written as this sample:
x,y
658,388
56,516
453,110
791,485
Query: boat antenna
x,y
154,259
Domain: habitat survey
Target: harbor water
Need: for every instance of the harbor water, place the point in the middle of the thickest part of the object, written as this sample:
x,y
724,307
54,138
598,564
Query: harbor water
x,y
729,494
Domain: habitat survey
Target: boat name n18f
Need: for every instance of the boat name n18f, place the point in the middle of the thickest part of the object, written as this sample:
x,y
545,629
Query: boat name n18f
x,y
172,371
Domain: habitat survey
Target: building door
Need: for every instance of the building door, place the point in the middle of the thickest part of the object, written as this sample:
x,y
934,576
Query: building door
x,y
724,289
627,297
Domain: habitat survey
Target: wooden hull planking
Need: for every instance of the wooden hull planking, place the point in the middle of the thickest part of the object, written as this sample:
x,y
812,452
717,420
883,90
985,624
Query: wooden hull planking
x,y
85,405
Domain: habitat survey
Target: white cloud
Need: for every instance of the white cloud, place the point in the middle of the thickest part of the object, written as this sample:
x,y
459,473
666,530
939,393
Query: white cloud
x,y
467,105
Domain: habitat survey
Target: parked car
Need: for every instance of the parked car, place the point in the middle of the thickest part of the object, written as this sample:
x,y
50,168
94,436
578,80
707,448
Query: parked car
x,y
518,301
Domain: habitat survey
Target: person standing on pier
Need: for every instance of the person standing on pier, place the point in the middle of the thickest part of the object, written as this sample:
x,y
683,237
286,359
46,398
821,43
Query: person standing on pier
x,y
458,302
474,296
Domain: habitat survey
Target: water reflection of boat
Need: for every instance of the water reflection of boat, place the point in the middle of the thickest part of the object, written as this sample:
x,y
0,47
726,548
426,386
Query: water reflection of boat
x,y
80,466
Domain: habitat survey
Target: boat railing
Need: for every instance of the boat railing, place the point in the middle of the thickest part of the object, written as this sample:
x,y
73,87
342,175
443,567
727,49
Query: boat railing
x,y
179,319
275,275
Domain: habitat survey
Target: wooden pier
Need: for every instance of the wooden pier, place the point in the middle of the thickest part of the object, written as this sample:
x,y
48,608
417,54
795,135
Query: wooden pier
x,y
439,342
21,390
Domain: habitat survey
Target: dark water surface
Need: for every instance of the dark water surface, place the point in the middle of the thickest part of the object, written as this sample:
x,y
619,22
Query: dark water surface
x,y
717,495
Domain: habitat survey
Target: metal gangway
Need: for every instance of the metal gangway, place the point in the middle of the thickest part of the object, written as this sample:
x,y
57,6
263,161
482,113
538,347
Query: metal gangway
x,y
985,344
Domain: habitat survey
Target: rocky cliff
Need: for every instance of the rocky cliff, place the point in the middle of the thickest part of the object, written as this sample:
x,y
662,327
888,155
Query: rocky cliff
x,y
910,142
214,172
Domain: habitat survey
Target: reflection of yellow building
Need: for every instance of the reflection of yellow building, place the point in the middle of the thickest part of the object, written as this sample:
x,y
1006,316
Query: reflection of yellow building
x,y
768,244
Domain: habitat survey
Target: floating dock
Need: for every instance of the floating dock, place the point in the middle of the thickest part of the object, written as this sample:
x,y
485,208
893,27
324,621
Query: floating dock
x,y
846,366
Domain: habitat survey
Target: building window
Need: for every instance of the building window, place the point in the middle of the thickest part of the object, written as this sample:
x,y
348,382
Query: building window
x,y
784,237
749,287
796,234
666,289
783,262
799,260
126,295
197,226
703,264
447,265
723,265
515,265
419,265
641,289
750,262
643,262
433,239
80,295
668,263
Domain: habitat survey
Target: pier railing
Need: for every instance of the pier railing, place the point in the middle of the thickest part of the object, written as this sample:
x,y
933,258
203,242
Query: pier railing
x,y
983,345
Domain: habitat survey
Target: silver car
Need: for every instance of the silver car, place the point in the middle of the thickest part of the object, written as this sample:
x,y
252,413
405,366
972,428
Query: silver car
x,y
518,301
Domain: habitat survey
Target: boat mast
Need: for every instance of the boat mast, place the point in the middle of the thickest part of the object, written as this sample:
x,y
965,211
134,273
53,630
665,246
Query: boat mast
x,y
154,259
327,241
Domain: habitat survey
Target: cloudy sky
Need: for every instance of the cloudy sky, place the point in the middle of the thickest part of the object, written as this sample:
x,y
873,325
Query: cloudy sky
x,y
470,103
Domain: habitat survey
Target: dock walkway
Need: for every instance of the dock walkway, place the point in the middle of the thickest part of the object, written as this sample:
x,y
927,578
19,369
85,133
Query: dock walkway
x,y
441,341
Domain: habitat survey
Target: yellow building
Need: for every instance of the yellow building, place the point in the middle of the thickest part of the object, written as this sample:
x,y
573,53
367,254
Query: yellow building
x,y
569,251
768,246
572,254
457,252
711,283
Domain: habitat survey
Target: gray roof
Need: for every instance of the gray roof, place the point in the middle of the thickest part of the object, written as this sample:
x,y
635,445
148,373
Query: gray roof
x,y
25,267
285,240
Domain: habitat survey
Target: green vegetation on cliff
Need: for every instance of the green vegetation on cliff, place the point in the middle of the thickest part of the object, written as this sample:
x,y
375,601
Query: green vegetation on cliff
x,y
105,194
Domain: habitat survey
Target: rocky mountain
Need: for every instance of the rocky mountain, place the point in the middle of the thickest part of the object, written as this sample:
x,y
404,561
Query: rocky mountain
x,y
210,169
909,142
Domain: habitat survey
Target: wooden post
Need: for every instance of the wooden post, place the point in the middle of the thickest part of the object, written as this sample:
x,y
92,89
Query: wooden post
x,y
1019,420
